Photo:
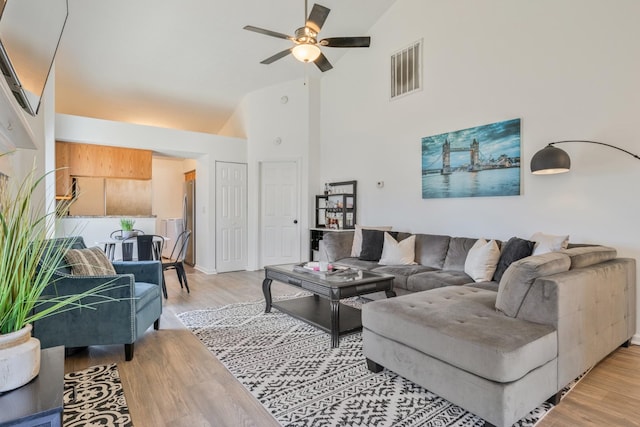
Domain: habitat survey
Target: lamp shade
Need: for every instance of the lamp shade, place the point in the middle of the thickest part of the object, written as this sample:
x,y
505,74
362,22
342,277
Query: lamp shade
x,y
550,160
306,52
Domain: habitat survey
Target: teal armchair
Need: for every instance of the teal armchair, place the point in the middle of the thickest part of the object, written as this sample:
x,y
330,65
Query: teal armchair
x,y
135,305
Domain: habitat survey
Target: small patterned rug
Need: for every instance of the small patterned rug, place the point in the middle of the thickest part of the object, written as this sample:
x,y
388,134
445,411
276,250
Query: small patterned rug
x,y
290,368
94,397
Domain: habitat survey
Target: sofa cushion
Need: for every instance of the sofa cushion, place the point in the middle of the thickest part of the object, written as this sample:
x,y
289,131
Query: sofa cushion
x,y
549,243
356,245
482,260
588,255
512,251
398,252
89,262
402,272
460,326
431,249
520,276
457,253
437,279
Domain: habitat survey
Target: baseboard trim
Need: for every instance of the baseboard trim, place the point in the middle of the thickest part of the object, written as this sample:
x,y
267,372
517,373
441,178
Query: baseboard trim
x,y
204,270
635,340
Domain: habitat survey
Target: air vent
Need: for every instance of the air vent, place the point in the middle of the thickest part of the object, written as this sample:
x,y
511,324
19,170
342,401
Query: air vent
x,y
406,70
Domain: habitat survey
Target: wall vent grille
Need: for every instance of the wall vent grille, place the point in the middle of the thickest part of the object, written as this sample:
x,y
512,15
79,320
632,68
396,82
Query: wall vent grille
x,y
406,70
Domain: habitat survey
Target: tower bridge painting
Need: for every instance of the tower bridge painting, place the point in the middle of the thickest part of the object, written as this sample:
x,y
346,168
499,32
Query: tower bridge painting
x,y
483,161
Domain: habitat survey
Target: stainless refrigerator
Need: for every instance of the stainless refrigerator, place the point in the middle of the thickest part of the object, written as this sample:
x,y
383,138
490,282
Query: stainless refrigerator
x,y
189,217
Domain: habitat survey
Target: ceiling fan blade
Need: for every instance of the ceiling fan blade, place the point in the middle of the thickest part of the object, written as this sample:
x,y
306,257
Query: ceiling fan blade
x,y
267,32
323,63
277,56
346,42
317,17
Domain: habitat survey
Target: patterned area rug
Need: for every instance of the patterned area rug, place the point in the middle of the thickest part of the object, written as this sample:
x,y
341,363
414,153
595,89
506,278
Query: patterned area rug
x,y
290,368
94,397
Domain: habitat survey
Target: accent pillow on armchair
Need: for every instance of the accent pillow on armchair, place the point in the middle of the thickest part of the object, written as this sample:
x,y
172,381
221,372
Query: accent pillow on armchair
x,y
89,262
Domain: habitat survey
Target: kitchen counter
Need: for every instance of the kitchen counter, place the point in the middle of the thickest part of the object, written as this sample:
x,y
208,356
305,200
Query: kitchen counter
x,y
95,229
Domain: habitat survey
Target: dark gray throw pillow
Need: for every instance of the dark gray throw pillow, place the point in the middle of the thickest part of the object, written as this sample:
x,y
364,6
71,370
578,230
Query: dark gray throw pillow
x,y
372,244
512,251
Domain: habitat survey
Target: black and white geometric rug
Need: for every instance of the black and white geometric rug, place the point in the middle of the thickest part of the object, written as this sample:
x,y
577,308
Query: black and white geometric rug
x,y
290,368
94,397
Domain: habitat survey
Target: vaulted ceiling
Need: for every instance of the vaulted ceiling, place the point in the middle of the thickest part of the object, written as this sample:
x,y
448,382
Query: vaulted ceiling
x,y
186,64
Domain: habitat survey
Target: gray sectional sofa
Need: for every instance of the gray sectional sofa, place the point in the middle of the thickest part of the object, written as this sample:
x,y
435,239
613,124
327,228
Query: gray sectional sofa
x,y
497,349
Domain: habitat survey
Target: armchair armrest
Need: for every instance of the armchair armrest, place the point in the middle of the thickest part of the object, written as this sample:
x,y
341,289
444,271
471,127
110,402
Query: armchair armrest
x,y
108,317
143,271
117,287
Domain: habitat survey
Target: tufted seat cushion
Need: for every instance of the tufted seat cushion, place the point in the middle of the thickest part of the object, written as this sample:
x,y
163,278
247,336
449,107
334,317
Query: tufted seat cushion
x,y
460,326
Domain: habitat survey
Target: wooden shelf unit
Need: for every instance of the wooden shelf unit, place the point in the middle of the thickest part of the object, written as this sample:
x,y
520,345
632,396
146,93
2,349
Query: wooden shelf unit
x,y
337,208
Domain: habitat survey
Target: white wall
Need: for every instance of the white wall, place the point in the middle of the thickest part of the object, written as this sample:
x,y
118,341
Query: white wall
x,y
24,138
204,148
569,69
264,117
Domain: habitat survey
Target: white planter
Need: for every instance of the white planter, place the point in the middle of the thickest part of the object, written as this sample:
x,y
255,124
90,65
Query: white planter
x,y
19,359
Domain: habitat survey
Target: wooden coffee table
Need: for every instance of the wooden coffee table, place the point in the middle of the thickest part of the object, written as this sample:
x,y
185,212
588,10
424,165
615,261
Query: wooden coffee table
x,y
323,308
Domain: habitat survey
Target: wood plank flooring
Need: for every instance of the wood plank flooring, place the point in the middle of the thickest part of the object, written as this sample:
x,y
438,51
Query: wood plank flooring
x,y
173,380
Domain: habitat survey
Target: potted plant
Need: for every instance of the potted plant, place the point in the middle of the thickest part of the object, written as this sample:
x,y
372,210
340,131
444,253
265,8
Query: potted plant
x,y
127,227
27,264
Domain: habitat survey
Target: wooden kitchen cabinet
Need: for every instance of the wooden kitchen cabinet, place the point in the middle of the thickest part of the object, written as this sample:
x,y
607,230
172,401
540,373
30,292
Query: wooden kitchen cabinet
x,y
91,160
63,177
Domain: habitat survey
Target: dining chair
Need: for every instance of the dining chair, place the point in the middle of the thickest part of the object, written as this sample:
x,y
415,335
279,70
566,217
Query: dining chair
x,y
150,247
176,261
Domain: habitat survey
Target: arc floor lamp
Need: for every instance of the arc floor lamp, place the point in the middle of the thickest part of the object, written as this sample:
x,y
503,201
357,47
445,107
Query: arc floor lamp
x,y
552,160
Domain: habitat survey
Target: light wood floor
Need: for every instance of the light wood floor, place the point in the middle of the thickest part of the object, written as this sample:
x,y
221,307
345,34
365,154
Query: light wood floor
x,y
173,380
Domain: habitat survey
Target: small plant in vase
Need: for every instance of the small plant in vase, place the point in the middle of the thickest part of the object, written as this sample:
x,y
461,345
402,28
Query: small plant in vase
x,y
127,227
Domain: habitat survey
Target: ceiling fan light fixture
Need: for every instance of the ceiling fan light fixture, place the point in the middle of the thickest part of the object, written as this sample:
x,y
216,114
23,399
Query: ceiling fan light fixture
x,y
306,52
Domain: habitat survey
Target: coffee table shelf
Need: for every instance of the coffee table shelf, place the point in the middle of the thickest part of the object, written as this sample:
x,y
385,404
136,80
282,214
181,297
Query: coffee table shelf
x,y
315,310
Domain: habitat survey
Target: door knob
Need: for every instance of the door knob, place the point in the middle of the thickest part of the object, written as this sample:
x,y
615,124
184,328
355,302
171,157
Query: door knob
x,y
295,221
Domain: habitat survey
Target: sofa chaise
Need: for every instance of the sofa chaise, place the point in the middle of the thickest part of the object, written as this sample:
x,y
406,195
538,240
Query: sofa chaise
x,y
497,349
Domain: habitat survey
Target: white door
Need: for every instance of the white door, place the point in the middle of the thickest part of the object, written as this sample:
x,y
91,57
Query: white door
x,y
279,209
231,216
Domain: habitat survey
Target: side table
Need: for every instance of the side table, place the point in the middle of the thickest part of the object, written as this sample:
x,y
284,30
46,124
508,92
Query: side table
x,y
40,402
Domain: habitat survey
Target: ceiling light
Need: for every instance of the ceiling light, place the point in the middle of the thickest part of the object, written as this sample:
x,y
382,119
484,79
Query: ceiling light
x,y
306,52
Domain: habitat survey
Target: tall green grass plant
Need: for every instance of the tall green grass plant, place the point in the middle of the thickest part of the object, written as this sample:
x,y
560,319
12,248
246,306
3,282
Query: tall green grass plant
x,y
27,261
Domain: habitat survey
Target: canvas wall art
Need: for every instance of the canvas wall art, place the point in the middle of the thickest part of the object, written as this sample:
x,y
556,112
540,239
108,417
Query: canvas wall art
x,y
483,161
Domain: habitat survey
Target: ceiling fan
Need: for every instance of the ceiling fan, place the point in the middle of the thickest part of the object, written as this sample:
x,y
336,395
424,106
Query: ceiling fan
x,y
306,46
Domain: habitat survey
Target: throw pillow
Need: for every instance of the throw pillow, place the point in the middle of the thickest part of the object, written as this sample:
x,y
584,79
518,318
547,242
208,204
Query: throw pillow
x,y
482,260
356,246
372,244
549,243
89,262
512,251
398,253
